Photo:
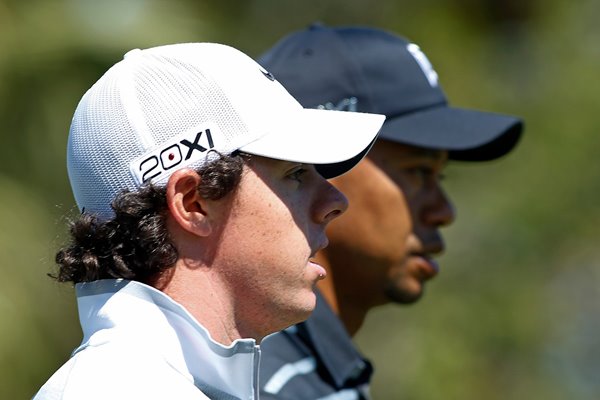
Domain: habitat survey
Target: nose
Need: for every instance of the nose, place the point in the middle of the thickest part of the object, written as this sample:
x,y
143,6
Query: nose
x,y
439,210
330,203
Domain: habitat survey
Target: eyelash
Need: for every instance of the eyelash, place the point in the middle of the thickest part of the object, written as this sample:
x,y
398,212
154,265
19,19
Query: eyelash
x,y
296,174
427,172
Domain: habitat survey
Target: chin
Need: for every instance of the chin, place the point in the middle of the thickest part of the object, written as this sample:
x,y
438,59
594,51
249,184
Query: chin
x,y
406,294
300,310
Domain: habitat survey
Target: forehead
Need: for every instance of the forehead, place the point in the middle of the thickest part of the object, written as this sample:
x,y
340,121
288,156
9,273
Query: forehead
x,y
269,165
404,152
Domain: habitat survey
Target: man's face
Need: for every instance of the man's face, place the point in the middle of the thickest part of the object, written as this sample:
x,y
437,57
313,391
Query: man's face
x,y
388,237
276,225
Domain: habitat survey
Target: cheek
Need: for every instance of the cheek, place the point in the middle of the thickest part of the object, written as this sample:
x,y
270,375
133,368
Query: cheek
x,y
410,185
377,221
269,232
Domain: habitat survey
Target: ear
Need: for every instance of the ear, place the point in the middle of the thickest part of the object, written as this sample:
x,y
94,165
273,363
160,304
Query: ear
x,y
186,205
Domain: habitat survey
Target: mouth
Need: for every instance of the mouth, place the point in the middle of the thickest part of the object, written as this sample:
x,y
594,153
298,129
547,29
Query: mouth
x,y
321,273
426,266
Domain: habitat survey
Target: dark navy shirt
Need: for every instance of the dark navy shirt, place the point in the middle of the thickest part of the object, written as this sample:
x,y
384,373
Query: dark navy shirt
x,y
314,360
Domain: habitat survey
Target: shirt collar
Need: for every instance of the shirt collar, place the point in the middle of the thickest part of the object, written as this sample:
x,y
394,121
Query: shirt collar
x,y
334,346
121,310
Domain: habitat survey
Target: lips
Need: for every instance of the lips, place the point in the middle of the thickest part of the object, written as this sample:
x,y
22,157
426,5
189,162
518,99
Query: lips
x,y
421,248
426,266
321,272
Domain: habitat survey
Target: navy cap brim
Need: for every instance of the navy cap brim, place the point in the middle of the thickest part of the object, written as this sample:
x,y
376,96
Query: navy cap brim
x,y
468,135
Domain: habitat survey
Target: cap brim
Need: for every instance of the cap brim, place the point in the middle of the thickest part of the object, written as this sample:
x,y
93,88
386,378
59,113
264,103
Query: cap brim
x,y
334,141
468,135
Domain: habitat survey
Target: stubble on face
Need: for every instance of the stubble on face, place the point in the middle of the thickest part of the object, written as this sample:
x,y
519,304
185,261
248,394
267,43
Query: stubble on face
x,y
270,238
380,250
417,172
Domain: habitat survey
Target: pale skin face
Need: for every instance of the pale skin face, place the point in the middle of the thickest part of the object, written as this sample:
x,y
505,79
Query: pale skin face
x,y
245,267
382,250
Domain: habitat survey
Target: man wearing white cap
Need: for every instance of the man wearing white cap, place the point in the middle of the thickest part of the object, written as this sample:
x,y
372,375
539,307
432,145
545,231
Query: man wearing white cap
x,y
192,168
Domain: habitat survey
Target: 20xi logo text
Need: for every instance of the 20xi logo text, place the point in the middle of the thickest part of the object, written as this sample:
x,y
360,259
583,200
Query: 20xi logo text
x,y
172,155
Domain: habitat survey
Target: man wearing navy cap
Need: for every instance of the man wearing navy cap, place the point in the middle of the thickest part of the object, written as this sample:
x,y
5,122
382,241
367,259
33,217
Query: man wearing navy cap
x,y
382,250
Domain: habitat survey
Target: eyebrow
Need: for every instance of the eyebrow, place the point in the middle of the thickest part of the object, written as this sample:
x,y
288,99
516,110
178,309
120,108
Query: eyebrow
x,y
429,153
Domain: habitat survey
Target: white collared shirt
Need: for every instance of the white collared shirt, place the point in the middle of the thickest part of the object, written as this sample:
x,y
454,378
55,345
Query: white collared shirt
x,y
140,344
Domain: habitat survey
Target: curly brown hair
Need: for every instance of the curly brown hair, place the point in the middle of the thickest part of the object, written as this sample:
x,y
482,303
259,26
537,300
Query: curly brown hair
x,y
135,244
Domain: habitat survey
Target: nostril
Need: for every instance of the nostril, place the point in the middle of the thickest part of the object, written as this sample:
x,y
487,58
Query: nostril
x,y
333,214
331,203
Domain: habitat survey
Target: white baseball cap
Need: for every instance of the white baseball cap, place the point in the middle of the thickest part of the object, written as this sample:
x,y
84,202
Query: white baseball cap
x,y
163,108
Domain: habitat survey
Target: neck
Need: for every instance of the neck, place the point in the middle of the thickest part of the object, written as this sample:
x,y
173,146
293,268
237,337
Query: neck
x,y
350,308
199,290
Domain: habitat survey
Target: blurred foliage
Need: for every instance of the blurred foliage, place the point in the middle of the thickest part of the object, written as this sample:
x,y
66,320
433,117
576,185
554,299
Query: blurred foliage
x,y
514,313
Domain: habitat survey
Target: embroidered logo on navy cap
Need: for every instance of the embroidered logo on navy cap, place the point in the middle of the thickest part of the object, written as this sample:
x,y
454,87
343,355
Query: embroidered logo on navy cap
x,y
347,104
423,61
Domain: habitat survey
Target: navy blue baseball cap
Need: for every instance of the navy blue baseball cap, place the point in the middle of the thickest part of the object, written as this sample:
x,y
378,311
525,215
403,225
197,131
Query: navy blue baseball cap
x,y
371,70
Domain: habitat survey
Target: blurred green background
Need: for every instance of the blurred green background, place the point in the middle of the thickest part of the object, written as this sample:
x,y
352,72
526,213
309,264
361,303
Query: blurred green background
x,y
515,313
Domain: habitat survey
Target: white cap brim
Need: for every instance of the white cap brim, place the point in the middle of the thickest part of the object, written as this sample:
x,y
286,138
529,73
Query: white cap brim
x,y
316,136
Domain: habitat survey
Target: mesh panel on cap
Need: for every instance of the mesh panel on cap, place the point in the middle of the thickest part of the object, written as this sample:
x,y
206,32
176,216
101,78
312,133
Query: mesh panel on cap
x,y
134,108
179,96
100,148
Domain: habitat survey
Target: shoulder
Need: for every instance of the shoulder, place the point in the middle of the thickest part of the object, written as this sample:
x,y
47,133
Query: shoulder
x,y
289,367
111,373
283,348
314,359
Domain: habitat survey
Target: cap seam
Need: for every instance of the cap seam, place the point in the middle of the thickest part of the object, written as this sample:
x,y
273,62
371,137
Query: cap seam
x,y
355,77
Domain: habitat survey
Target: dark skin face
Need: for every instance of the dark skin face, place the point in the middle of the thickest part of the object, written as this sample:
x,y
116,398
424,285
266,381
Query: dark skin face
x,y
381,251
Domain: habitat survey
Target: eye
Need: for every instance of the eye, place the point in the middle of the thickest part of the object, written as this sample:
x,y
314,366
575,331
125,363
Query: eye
x,y
297,173
425,175
420,172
